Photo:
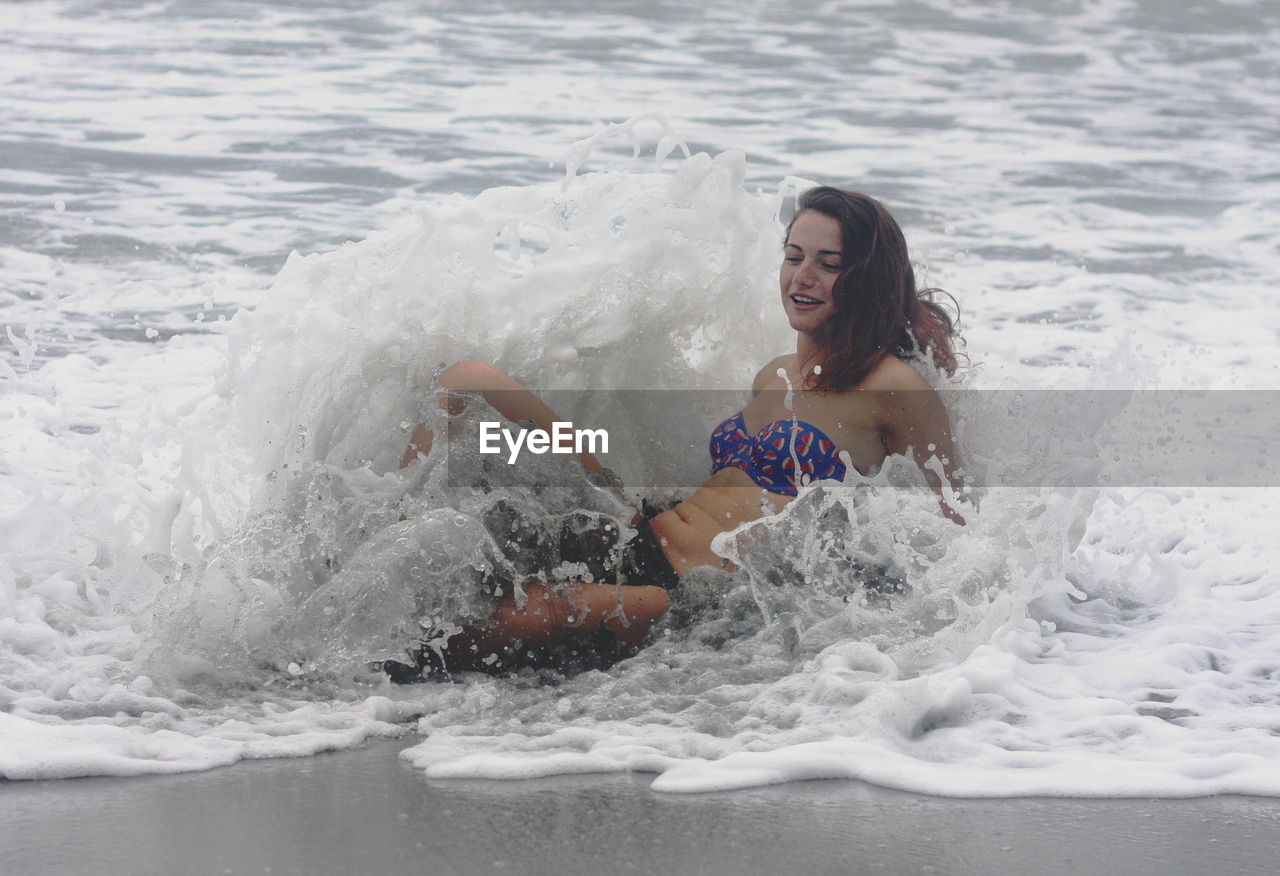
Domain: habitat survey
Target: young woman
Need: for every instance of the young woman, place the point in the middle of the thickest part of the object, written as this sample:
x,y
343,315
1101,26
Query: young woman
x,y
849,292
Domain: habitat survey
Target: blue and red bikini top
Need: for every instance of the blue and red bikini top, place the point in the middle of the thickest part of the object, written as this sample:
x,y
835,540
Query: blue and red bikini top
x,y
767,456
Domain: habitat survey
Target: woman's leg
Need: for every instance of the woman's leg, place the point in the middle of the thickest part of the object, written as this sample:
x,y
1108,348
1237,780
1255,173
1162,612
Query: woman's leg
x,y
506,394
551,617
548,617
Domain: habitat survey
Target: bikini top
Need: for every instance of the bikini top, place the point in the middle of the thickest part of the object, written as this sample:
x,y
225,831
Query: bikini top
x,y
767,456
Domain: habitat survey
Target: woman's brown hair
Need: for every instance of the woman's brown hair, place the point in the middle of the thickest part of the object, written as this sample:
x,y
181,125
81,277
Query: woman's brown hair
x,y
878,308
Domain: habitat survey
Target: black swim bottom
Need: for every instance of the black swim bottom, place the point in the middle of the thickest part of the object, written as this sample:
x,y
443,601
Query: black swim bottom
x,y
538,546
643,561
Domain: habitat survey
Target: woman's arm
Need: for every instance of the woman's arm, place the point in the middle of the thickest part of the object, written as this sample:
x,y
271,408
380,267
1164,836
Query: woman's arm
x,y
502,391
914,421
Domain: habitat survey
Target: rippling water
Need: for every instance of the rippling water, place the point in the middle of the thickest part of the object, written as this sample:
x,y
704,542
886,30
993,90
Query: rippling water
x,y
1095,181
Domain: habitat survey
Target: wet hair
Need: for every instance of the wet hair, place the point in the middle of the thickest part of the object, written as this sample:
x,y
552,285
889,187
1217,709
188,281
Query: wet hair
x,y
878,308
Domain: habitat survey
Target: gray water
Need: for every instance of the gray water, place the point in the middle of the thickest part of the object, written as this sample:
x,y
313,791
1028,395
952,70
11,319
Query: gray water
x,y
190,145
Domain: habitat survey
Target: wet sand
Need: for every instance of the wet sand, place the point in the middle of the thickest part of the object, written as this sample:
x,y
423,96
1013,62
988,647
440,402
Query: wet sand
x,y
367,812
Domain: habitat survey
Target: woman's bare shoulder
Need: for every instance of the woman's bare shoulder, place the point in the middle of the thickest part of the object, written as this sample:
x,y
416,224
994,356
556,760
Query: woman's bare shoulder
x,y
893,374
880,391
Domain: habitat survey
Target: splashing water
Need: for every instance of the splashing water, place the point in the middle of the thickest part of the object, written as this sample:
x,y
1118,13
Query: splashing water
x,y
247,547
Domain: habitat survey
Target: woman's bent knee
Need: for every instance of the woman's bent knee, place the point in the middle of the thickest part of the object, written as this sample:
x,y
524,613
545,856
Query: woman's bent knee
x,y
472,376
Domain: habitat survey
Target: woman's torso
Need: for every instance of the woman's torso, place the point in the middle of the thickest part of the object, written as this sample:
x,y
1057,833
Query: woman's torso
x,y
852,419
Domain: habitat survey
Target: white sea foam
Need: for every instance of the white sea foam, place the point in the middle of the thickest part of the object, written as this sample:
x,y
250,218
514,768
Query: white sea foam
x,y
284,550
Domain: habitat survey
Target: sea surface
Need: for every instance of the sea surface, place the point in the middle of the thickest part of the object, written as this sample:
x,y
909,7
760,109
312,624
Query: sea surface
x,y
238,242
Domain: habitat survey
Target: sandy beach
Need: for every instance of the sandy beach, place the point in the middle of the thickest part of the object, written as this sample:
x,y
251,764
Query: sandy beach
x,y
366,811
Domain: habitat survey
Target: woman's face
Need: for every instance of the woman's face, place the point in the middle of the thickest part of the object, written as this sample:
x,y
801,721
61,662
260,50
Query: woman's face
x,y
810,266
